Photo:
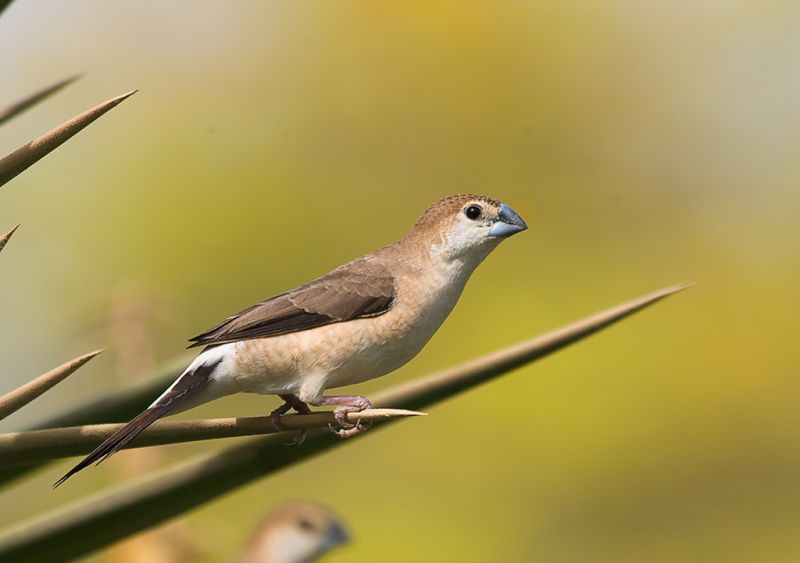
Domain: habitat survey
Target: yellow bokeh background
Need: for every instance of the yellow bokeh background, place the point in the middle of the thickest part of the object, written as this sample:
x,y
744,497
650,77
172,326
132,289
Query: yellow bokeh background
x,y
645,143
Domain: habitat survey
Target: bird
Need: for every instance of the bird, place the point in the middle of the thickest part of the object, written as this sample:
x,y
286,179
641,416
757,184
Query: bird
x,y
362,320
295,532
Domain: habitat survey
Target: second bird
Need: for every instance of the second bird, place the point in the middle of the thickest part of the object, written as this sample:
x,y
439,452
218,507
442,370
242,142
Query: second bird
x,y
360,321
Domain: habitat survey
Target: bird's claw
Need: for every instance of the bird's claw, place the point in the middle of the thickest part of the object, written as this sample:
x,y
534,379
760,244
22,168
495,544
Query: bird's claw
x,y
290,402
346,428
340,414
275,419
347,404
297,439
355,429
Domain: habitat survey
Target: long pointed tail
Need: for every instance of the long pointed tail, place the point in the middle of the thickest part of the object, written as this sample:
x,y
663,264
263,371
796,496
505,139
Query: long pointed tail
x,y
191,381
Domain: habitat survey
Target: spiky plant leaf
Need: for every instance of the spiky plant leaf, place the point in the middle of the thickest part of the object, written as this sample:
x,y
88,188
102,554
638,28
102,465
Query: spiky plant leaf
x,y
19,160
21,105
5,238
87,526
21,396
120,406
55,443
4,4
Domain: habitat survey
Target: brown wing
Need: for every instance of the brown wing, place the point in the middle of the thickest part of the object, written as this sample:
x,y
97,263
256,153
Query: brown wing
x,y
356,290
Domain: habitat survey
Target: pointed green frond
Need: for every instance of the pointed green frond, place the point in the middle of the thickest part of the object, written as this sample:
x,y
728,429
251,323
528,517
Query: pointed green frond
x,y
87,526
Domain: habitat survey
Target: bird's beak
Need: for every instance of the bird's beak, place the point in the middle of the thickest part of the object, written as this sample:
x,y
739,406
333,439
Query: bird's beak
x,y
508,223
335,535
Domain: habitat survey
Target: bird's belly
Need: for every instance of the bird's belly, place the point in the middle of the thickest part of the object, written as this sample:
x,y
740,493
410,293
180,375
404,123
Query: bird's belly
x,y
337,354
374,361
399,342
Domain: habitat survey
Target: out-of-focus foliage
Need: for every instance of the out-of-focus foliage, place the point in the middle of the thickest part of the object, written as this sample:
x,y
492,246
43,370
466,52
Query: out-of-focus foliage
x,y
16,108
643,142
92,524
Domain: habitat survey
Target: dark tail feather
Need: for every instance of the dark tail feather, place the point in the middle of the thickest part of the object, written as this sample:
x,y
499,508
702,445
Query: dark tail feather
x,y
185,386
118,439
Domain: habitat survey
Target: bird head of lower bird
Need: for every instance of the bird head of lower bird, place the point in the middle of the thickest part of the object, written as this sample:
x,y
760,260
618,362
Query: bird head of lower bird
x,y
296,532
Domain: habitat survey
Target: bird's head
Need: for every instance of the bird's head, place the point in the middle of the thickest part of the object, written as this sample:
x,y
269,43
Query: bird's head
x,y
468,226
294,533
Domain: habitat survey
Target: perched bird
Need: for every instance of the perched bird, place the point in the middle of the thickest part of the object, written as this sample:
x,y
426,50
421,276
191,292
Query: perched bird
x,y
297,532
360,321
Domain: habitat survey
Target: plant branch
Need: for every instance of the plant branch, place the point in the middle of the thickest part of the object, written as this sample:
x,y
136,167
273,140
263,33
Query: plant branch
x,y
6,237
118,406
81,528
443,384
19,160
4,4
41,445
21,105
21,396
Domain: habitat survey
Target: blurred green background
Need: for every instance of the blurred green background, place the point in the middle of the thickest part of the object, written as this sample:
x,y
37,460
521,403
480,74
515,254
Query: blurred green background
x,y
646,143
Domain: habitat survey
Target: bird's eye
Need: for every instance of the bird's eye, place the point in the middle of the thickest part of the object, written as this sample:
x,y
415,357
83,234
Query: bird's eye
x,y
473,212
307,525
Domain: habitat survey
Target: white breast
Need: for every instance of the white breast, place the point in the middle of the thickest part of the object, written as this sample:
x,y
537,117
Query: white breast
x,y
393,339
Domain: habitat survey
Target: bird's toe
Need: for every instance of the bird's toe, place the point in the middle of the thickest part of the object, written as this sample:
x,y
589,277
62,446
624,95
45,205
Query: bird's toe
x,y
351,430
297,439
340,414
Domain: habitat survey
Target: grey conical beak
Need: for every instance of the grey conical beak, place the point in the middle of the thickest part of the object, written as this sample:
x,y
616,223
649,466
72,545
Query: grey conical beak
x,y
335,535
508,223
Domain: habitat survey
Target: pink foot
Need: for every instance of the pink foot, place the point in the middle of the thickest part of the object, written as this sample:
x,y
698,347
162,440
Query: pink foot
x,y
347,404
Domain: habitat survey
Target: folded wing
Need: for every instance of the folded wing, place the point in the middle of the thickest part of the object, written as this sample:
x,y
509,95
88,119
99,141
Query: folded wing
x,y
356,290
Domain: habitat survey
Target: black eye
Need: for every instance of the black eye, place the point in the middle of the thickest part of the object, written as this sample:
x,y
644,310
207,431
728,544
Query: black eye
x,y
306,525
473,212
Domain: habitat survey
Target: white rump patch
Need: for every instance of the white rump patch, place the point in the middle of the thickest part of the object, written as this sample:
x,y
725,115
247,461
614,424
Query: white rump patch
x,y
207,357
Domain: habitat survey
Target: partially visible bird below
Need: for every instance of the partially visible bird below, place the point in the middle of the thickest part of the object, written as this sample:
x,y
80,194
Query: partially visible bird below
x,y
297,532
360,321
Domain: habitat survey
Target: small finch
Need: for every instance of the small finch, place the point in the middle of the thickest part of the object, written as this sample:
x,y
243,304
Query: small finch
x,y
297,532
360,321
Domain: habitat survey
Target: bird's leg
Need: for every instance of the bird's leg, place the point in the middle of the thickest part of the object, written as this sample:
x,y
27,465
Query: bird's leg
x,y
290,402
346,404
295,402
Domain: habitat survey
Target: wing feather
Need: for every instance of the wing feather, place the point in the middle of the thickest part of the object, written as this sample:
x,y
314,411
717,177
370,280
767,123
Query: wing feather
x,y
359,289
